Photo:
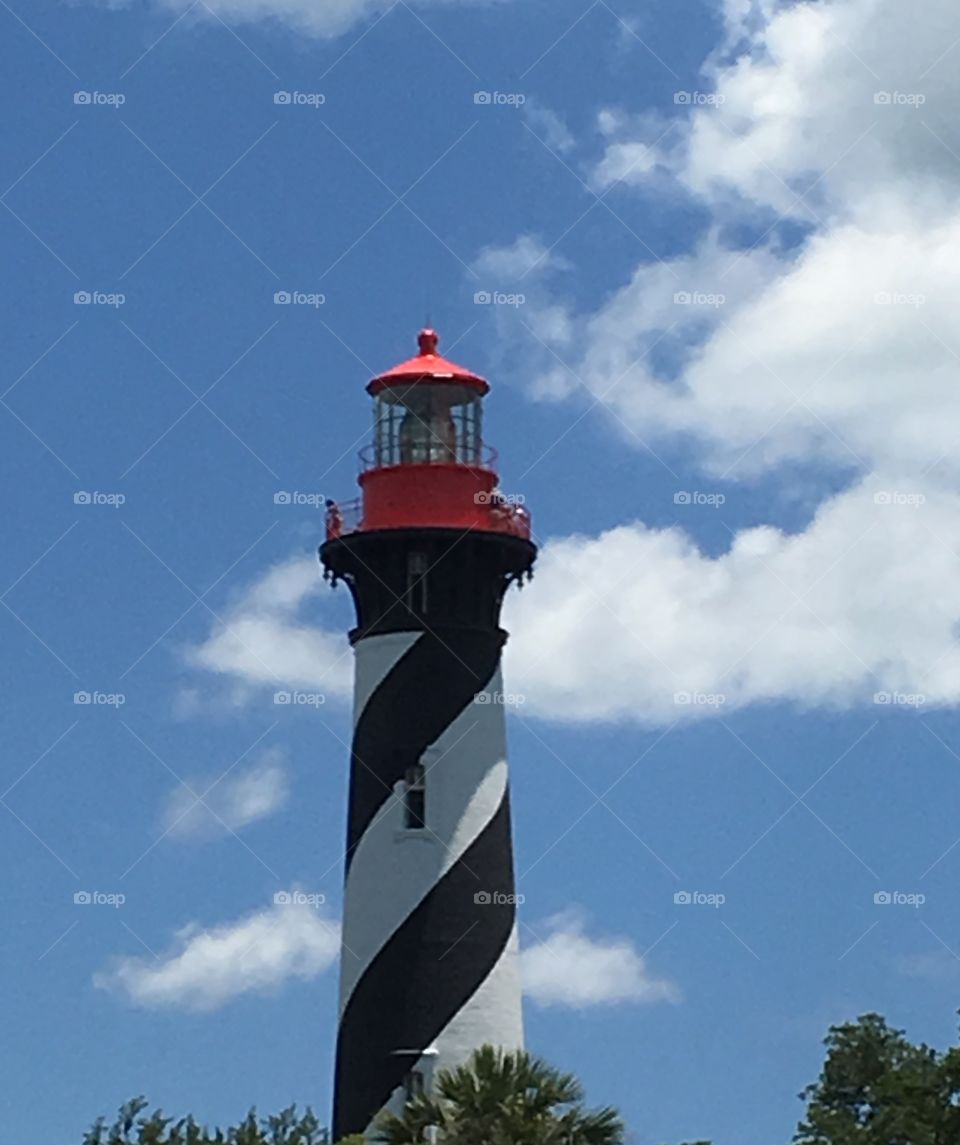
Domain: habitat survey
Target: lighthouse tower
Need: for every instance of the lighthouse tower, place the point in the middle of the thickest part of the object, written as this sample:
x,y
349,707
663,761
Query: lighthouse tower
x,y
429,967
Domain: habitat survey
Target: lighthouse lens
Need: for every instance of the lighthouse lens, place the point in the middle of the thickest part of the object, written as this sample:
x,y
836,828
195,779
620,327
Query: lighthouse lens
x,y
427,423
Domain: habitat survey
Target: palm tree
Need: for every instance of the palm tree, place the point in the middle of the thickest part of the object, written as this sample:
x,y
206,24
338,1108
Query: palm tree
x,y
502,1098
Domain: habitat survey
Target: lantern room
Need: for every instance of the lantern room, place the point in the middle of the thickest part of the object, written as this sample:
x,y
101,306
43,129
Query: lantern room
x,y
427,411
428,466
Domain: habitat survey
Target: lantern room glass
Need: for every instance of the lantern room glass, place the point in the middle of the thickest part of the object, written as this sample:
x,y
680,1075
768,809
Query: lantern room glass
x,y
427,423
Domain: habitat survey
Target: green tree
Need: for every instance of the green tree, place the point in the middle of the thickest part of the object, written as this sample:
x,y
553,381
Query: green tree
x,y
878,1088
133,1126
503,1098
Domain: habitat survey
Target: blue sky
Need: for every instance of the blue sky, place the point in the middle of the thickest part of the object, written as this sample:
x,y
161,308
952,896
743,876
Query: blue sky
x,y
728,397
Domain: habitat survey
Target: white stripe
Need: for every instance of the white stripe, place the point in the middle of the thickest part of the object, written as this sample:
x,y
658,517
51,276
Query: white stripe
x,y
375,657
493,1016
392,869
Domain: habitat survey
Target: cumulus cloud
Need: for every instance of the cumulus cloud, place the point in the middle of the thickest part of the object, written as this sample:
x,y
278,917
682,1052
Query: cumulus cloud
x,y
263,640
840,347
571,969
830,345
549,127
208,967
237,799
638,623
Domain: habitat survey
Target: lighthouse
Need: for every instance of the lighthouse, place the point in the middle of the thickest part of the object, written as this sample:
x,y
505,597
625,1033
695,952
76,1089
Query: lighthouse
x,y
429,966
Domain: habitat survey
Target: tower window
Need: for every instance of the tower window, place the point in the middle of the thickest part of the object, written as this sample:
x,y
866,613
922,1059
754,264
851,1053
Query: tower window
x,y
413,1084
417,582
415,798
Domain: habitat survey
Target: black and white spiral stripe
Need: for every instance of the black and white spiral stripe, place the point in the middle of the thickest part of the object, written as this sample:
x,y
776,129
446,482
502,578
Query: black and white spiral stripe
x,y
426,967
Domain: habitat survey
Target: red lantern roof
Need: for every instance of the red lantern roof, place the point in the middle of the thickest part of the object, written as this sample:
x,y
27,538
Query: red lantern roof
x,y
428,366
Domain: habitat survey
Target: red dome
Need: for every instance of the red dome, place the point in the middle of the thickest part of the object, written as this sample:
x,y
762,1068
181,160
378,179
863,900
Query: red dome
x,y
429,366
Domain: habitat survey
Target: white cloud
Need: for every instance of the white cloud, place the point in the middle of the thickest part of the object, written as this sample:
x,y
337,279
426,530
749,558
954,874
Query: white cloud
x,y
839,351
264,642
209,967
549,127
241,797
508,264
639,624
634,146
799,97
570,969
842,349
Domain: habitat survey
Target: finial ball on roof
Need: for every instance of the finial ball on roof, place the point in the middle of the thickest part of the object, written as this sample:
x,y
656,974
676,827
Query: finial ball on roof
x,y
428,340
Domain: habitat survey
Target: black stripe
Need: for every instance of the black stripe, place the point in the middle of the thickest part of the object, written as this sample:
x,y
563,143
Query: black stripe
x,y
424,975
418,699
